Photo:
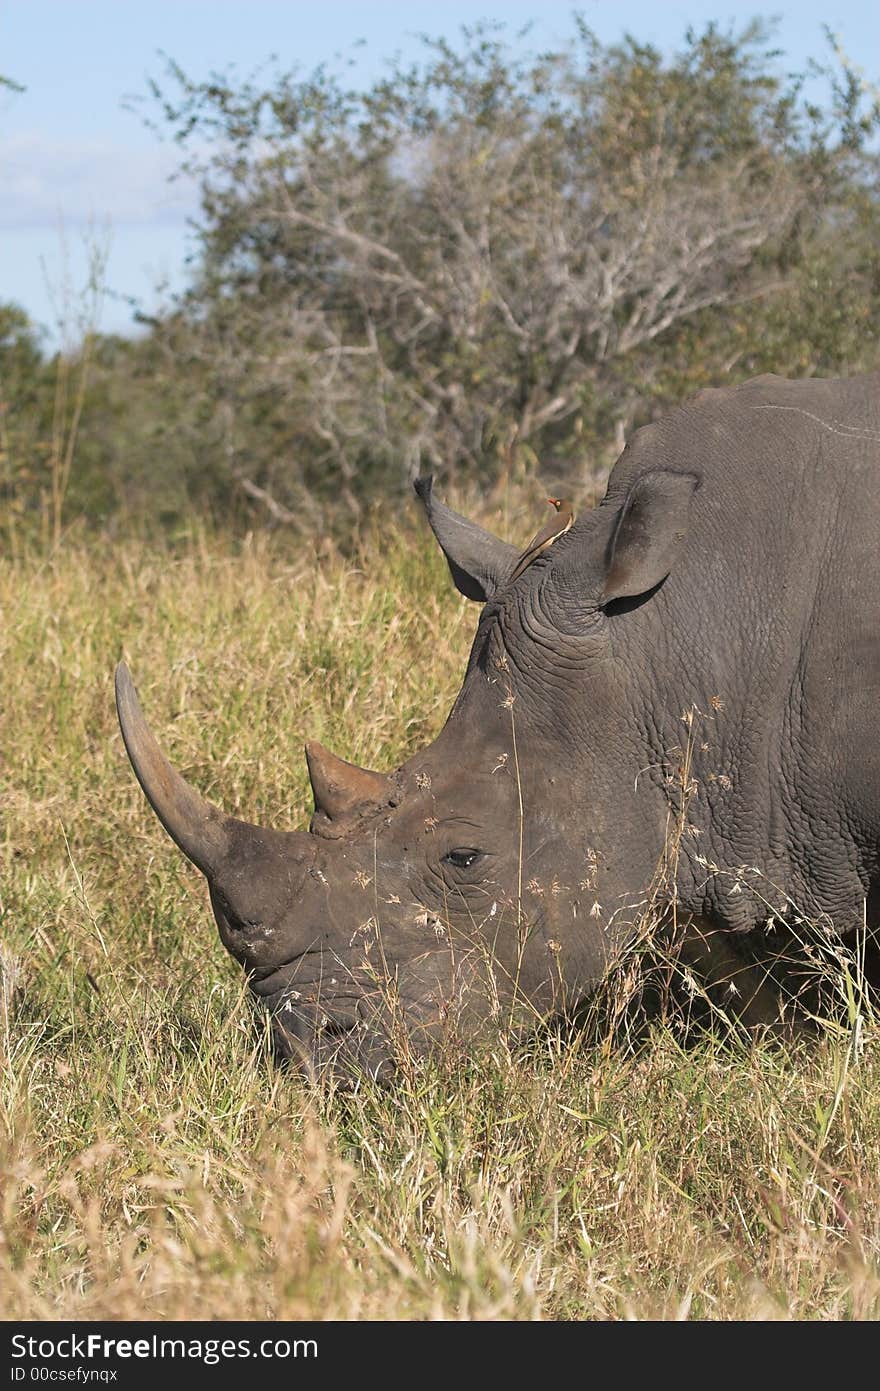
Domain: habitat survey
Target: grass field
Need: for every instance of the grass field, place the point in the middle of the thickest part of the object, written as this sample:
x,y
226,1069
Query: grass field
x,y
154,1163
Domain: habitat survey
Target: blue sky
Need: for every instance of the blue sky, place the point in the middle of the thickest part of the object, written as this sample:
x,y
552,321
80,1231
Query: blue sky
x,y
76,165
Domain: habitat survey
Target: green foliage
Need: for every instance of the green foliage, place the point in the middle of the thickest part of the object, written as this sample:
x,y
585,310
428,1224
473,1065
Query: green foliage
x,y
494,245
491,262
21,405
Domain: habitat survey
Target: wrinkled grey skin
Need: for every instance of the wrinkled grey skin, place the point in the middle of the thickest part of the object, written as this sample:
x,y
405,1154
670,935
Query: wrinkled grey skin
x,y
731,571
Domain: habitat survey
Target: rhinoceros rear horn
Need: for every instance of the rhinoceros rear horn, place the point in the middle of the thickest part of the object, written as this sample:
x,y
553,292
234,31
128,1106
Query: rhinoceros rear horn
x,y
478,561
340,787
199,828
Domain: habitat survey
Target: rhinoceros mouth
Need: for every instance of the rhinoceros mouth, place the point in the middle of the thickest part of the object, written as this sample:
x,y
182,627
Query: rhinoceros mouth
x,y
344,1057
351,1035
344,1020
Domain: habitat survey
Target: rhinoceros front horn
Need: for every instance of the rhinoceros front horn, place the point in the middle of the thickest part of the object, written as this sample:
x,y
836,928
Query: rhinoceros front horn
x,y
340,787
199,828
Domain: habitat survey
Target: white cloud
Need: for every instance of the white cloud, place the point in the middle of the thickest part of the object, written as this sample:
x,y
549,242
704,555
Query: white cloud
x,y
78,180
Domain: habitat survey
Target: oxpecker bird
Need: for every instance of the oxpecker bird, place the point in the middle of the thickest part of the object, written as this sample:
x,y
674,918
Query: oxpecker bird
x,y
557,526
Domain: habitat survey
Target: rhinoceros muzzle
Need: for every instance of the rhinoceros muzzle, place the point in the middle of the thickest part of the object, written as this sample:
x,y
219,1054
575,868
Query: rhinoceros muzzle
x,y
347,1030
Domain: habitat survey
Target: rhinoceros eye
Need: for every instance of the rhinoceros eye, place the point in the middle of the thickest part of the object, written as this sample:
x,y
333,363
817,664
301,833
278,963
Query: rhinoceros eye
x,y
463,857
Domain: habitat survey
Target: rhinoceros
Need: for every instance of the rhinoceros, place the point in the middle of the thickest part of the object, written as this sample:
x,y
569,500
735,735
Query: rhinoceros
x,y
676,703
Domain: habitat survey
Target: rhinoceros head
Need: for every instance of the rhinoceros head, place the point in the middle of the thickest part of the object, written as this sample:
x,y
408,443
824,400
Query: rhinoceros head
x,y
492,874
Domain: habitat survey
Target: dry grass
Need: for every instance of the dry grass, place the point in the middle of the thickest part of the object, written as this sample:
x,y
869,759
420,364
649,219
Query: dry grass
x,y
155,1164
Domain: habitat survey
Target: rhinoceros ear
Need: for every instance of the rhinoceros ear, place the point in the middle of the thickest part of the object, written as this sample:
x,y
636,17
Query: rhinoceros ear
x,y
649,533
478,562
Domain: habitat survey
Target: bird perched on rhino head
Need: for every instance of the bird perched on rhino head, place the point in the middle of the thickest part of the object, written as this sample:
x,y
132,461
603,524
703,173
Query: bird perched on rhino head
x,y
557,526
